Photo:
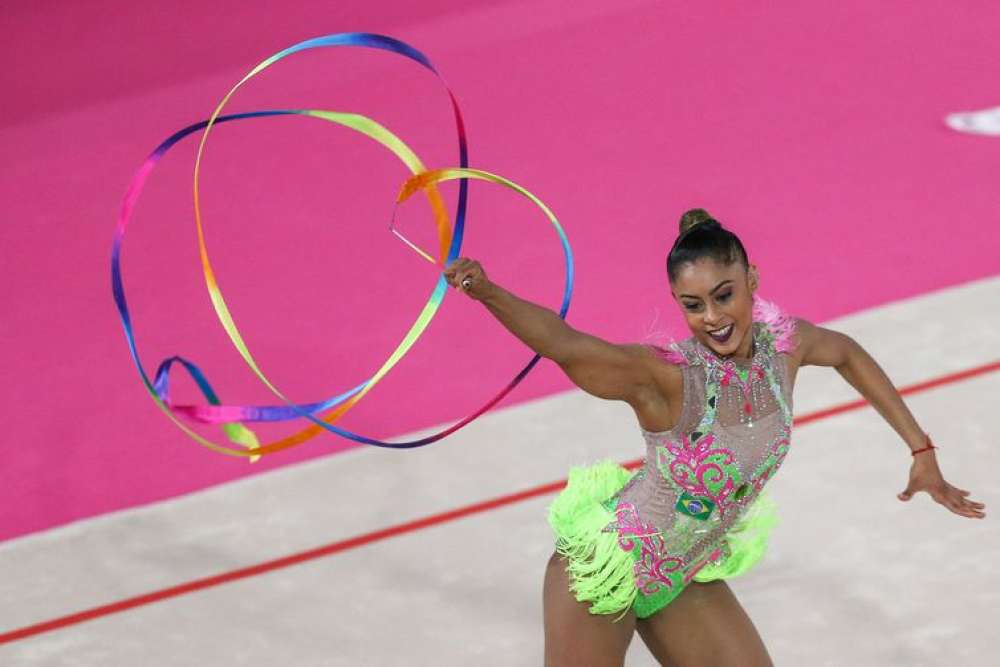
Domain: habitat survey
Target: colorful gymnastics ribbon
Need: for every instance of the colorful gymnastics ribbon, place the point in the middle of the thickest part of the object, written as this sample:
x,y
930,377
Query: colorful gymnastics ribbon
x,y
231,417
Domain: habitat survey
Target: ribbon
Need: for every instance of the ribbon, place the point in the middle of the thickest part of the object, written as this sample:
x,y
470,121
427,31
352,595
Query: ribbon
x,y
231,417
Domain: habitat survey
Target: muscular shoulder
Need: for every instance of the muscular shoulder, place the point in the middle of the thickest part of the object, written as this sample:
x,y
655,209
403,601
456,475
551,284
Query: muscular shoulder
x,y
819,346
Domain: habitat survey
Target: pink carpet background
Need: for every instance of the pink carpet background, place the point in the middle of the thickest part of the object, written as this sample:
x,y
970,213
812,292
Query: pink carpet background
x,y
814,132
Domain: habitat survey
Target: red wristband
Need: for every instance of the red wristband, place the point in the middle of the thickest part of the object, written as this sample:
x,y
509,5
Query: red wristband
x,y
924,449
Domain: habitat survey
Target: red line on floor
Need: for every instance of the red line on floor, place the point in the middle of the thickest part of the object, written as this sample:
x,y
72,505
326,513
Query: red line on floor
x,y
408,527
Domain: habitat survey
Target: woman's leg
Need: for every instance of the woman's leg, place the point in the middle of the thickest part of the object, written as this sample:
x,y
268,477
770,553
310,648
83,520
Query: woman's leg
x,y
575,637
704,626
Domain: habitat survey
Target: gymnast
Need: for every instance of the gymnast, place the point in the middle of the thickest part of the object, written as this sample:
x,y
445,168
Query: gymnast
x,y
650,551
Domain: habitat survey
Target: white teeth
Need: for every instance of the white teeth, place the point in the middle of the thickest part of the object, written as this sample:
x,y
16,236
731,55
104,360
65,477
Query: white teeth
x,y
719,333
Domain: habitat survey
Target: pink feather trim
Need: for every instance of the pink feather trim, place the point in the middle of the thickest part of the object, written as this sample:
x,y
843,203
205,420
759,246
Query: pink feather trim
x,y
672,354
782,325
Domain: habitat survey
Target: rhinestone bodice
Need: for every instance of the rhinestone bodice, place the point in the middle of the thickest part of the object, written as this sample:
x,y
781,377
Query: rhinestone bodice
x,y
731,437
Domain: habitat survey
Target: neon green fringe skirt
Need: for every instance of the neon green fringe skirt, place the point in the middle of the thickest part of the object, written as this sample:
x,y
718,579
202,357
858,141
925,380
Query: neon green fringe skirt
x,y
602,573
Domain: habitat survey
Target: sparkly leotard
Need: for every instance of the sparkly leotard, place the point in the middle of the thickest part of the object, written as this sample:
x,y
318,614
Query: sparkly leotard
x,y
677,515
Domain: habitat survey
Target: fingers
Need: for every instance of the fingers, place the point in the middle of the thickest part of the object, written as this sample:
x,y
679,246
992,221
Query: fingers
x,y
459,269
466,274
455,266
971,509
951,497
954,500
965,506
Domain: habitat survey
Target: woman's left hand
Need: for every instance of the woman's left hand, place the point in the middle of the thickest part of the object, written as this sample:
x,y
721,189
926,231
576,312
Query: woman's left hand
x,y
926,476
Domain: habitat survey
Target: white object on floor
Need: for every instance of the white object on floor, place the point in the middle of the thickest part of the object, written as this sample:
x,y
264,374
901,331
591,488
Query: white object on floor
x,y
985,121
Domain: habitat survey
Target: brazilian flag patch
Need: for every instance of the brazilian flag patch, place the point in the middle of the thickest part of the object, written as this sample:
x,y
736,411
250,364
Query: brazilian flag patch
x,y
694,506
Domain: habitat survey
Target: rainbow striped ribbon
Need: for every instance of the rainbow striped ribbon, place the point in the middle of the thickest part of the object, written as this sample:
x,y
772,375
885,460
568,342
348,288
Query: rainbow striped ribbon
x,y
232,417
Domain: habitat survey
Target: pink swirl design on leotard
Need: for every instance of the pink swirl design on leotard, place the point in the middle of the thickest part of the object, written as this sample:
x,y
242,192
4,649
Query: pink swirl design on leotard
x,y
653,568
780,449
690,470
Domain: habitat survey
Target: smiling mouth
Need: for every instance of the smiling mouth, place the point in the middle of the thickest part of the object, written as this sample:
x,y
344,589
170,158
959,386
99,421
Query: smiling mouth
x,y
723,334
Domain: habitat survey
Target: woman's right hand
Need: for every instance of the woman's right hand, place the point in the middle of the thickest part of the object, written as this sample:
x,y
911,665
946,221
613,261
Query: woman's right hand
x,y
468,276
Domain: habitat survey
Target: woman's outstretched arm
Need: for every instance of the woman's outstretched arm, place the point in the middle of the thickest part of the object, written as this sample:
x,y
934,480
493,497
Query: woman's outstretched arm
x,y
607,370
825,347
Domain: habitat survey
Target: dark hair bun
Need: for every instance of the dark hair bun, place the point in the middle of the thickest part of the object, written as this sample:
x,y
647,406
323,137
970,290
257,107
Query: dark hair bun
x,y
696,217
702,236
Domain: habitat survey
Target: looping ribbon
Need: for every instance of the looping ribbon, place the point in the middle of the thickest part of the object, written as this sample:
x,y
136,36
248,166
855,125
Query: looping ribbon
x,y
232,417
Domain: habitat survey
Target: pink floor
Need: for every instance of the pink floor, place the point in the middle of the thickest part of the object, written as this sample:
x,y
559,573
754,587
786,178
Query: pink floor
x,y
816,134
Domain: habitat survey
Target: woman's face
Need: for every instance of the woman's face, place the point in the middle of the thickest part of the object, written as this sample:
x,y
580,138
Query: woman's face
x,y
717,301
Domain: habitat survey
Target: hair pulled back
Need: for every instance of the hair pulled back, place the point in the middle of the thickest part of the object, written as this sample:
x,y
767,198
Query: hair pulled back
x,y
703,236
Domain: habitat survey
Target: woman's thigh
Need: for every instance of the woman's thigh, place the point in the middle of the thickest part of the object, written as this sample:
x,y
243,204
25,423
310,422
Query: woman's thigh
x,y
575,637
704,625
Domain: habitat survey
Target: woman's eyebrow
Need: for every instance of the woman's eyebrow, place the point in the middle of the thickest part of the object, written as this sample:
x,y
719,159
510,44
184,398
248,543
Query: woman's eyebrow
x,y
714,289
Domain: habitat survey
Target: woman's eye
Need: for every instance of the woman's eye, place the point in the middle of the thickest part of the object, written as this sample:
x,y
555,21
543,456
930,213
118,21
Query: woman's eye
x,y
725,297
691,306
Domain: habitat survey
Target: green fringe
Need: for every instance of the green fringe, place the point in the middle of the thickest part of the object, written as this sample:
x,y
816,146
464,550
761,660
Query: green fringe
x,y
746,540
601,572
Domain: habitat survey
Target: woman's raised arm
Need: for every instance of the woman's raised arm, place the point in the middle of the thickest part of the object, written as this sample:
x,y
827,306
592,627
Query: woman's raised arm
x,y
607,370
